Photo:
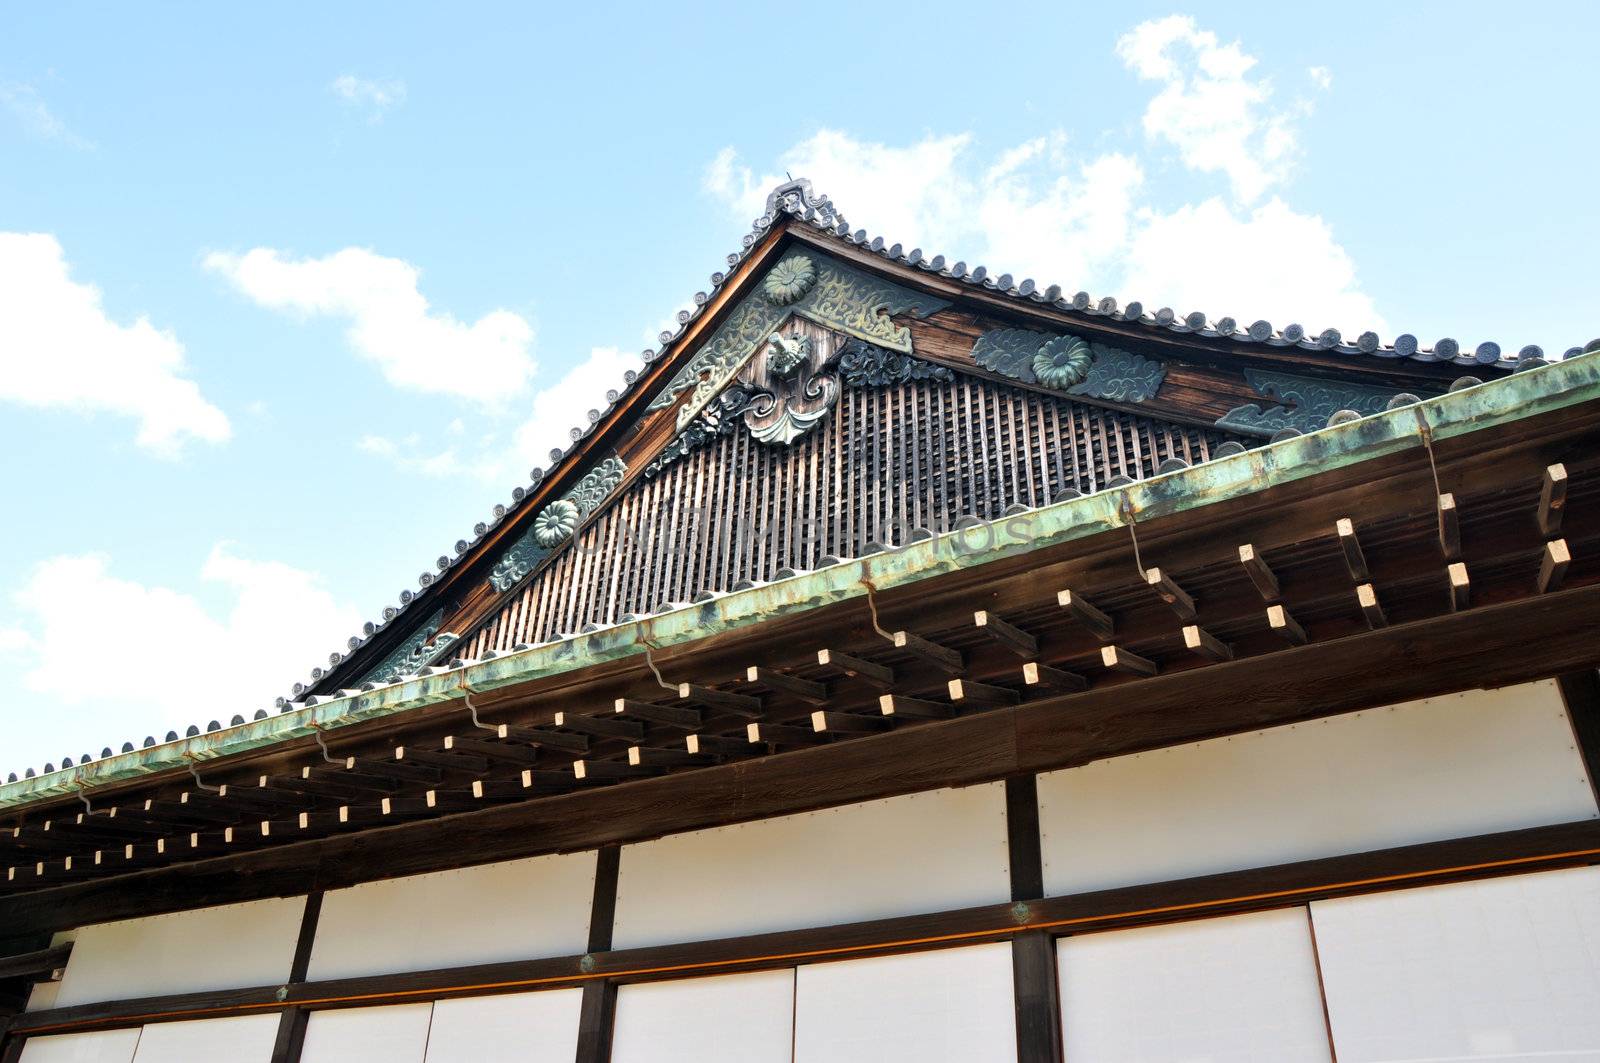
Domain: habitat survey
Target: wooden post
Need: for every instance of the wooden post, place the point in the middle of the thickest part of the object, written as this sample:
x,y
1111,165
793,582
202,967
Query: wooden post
x,y
1354,559
292,1021
1552,500
1553,568
597,1014
1033,954
1581,693
1261,575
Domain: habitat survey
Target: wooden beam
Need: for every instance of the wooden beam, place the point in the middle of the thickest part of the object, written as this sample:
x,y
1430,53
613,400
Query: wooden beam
x,y
878,675
1035,981
462,763
1120,660
825,722
1198,640
601,726
1006,634
1495,644
1282,624
1552,500
612,769
967,693
1449,527
1371,609
1044,678
738,704
1097,623
941,657
596,1019
1580,692
1350,546
781,734
651,756
670,715
1260,574
807,690
718,744
1553,565
512,753
1168,591
915,708
37,966
1023,848
1460,586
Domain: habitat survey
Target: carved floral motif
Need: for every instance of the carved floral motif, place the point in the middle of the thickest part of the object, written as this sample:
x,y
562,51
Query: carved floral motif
x,y
864,365
790,279
1069,364
1062,362
797,395
1303,403
556,523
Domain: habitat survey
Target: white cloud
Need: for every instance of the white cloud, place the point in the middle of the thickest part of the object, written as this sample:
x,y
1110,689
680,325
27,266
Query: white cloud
x,y
59,350
372,95
1209,108
1321,77
391,324
505,456
278,622
35,116
1089,220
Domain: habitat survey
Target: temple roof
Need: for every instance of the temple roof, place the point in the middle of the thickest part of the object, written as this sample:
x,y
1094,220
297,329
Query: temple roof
x,y
793,205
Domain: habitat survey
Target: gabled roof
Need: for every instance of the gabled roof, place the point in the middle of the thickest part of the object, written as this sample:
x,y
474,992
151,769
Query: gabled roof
x,y
795,206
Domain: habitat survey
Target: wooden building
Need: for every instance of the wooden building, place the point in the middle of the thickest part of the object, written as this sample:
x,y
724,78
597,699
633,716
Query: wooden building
x,y
906,663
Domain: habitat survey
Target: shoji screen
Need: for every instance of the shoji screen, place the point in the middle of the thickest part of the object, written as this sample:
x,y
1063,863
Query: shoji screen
x,y
103,1046
520,909
736,1018
1447,767
233,946
242,1039
1502,969
517,1028
1241,989
924,852
951,1006
395,1034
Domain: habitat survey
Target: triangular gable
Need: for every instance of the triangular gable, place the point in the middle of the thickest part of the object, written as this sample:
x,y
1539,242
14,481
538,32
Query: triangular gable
x,y
1157,372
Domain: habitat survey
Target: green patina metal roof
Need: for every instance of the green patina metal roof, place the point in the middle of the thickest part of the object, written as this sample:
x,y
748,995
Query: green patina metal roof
x,y
1512,398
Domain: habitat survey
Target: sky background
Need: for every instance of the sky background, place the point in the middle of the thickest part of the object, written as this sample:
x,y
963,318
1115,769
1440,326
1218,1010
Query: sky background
x,y
289,298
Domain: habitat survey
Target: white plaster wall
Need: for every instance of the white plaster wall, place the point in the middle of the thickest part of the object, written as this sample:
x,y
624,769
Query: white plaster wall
x,y
520,909
232,946
919,853
951,1006
394,1034
238,1039
101,1046
516,1028
1453,766
1242,989
1504,969
736,1018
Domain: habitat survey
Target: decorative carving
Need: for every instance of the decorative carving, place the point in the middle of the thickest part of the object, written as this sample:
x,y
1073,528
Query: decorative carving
x,y
797,395
1069,364
1117,375
864,365
1302,403
1062,362
718,419
596,484
790,279
841,298
555,523
419,649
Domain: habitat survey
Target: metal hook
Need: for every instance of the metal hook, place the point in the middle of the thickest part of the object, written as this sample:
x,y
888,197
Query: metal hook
x,y
189,757
872,607
1125,509
466,695
640,640
316,731
1425,431
78,780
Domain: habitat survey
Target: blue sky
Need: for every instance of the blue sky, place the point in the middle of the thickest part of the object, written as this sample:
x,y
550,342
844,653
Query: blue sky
x,y
290,298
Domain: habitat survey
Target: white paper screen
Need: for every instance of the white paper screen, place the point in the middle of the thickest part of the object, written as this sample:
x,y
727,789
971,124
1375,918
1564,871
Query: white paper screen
x,y
1505,969
921,853
1447,767
736,1018
1241,989
951,1006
